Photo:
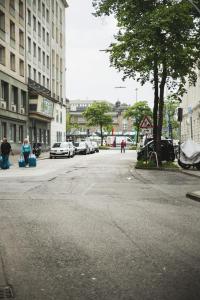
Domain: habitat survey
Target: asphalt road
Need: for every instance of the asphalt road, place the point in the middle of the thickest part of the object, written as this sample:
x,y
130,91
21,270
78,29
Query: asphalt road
x,y
93,227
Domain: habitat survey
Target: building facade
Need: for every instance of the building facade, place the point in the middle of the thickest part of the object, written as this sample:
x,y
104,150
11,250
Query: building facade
x,y
77,125
46,70
13,87
32,71
190,127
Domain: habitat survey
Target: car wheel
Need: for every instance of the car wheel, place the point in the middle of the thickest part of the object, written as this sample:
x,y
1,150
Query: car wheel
x,y
50,157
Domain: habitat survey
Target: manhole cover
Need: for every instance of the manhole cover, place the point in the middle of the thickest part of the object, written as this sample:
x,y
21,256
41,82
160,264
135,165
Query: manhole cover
x,y
6,292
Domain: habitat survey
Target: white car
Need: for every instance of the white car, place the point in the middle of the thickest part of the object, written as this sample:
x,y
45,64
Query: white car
x,y
62,149
90,146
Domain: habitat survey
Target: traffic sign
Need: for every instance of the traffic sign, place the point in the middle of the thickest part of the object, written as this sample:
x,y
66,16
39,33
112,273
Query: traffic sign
x,y
146,123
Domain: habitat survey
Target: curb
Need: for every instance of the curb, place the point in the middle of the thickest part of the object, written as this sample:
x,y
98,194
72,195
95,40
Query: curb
x,y
171,170
193,196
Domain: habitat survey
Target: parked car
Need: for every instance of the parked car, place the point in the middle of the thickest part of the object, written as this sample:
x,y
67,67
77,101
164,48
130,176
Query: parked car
x,y
62,149
81,148
96,146
167,150
90,146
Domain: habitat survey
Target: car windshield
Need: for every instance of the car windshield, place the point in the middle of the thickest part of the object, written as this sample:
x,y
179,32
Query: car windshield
x,y
56,145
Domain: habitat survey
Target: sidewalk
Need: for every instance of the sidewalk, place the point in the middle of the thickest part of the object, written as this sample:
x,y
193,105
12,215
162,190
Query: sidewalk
x,y
14,158
194,195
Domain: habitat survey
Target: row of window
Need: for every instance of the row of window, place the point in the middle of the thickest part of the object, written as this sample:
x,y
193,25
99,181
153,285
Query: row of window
x,y
38,53
12,61
38,77
14,133
37,27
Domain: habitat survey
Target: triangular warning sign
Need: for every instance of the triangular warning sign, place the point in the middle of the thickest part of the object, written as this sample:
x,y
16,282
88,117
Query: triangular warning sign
x,y
146,123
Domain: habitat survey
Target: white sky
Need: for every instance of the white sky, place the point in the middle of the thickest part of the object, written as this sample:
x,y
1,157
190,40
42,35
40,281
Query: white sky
x,y
88,74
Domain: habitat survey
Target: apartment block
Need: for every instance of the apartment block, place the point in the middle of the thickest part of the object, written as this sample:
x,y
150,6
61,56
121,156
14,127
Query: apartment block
x,y
45,45
13,87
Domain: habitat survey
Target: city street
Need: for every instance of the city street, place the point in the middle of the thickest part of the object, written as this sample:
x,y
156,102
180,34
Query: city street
x,y
93,227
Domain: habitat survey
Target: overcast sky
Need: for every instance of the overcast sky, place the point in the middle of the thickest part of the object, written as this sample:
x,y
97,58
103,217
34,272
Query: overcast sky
x,y
88,74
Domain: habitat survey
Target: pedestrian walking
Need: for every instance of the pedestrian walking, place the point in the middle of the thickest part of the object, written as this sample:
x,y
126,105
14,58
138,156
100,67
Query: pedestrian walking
x,y
123,146
26,150
5,152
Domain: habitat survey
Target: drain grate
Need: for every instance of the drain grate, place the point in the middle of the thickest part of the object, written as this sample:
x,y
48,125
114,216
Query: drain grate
x,y
6,292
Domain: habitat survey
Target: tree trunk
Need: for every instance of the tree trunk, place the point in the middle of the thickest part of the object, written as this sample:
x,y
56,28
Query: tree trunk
x,y
160,119
101,130
137,132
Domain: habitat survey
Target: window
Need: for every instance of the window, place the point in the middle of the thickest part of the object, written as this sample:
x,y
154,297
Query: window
x,y
43,58
47,15
39,5
61,42
39,29
12,30
29,44
47,61
47,38
39,77
12,4
34,4
43,80
60,16
43,10
61,117
52,5
21,67
34,49
52,30
21,9
2,55
57,116
56,9
2,21
13,132
48,83
21,133
39,54
29,71
29,17
21,38
56,35
12,61
43,34
34,23
34,75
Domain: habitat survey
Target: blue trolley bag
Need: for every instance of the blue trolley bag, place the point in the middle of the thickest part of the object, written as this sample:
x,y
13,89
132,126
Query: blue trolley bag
x,y
1,160
32,161
21,162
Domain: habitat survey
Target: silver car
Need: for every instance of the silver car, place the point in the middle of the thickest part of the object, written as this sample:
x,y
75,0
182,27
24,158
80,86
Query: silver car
x,y
62,149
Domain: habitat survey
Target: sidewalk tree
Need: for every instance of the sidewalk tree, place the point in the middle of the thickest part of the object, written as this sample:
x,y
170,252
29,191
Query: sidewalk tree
x,y
71,127
137,112
158,42
97,114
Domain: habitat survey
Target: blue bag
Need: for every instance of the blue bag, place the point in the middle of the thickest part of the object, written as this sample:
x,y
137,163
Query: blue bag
x,y
1,160
21,163
32,161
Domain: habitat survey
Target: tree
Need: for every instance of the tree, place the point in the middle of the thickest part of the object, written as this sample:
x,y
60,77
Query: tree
x,y
158,42
137,112
71,125
97,115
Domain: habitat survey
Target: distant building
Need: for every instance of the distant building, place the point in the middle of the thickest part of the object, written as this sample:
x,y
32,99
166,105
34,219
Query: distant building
x,y
121,125
190,127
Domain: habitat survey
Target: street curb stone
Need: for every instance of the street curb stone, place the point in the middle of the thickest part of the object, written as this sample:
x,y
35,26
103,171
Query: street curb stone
x,y
194,196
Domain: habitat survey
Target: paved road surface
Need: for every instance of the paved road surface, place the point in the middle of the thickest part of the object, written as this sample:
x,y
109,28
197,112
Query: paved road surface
x,y
93,227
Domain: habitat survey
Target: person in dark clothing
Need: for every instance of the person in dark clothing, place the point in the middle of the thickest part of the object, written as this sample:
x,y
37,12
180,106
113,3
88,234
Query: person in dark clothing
x,y
123,146
5,152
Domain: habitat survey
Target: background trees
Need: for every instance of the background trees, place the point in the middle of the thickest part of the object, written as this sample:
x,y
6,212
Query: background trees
x,y
137,113
97,115
158,41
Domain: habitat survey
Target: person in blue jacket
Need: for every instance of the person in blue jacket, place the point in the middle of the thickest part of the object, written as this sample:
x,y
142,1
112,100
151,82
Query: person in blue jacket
x,y
26,150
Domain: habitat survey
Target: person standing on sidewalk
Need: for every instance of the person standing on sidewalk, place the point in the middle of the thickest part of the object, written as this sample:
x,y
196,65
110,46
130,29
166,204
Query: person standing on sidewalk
x,y
5,152
123,146
26,150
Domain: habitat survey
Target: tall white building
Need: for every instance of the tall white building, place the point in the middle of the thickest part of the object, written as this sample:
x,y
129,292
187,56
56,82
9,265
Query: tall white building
x,y
45,43
190,127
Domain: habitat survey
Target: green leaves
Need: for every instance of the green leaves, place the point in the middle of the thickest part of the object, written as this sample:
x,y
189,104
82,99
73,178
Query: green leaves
x,y
138,111
97,114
